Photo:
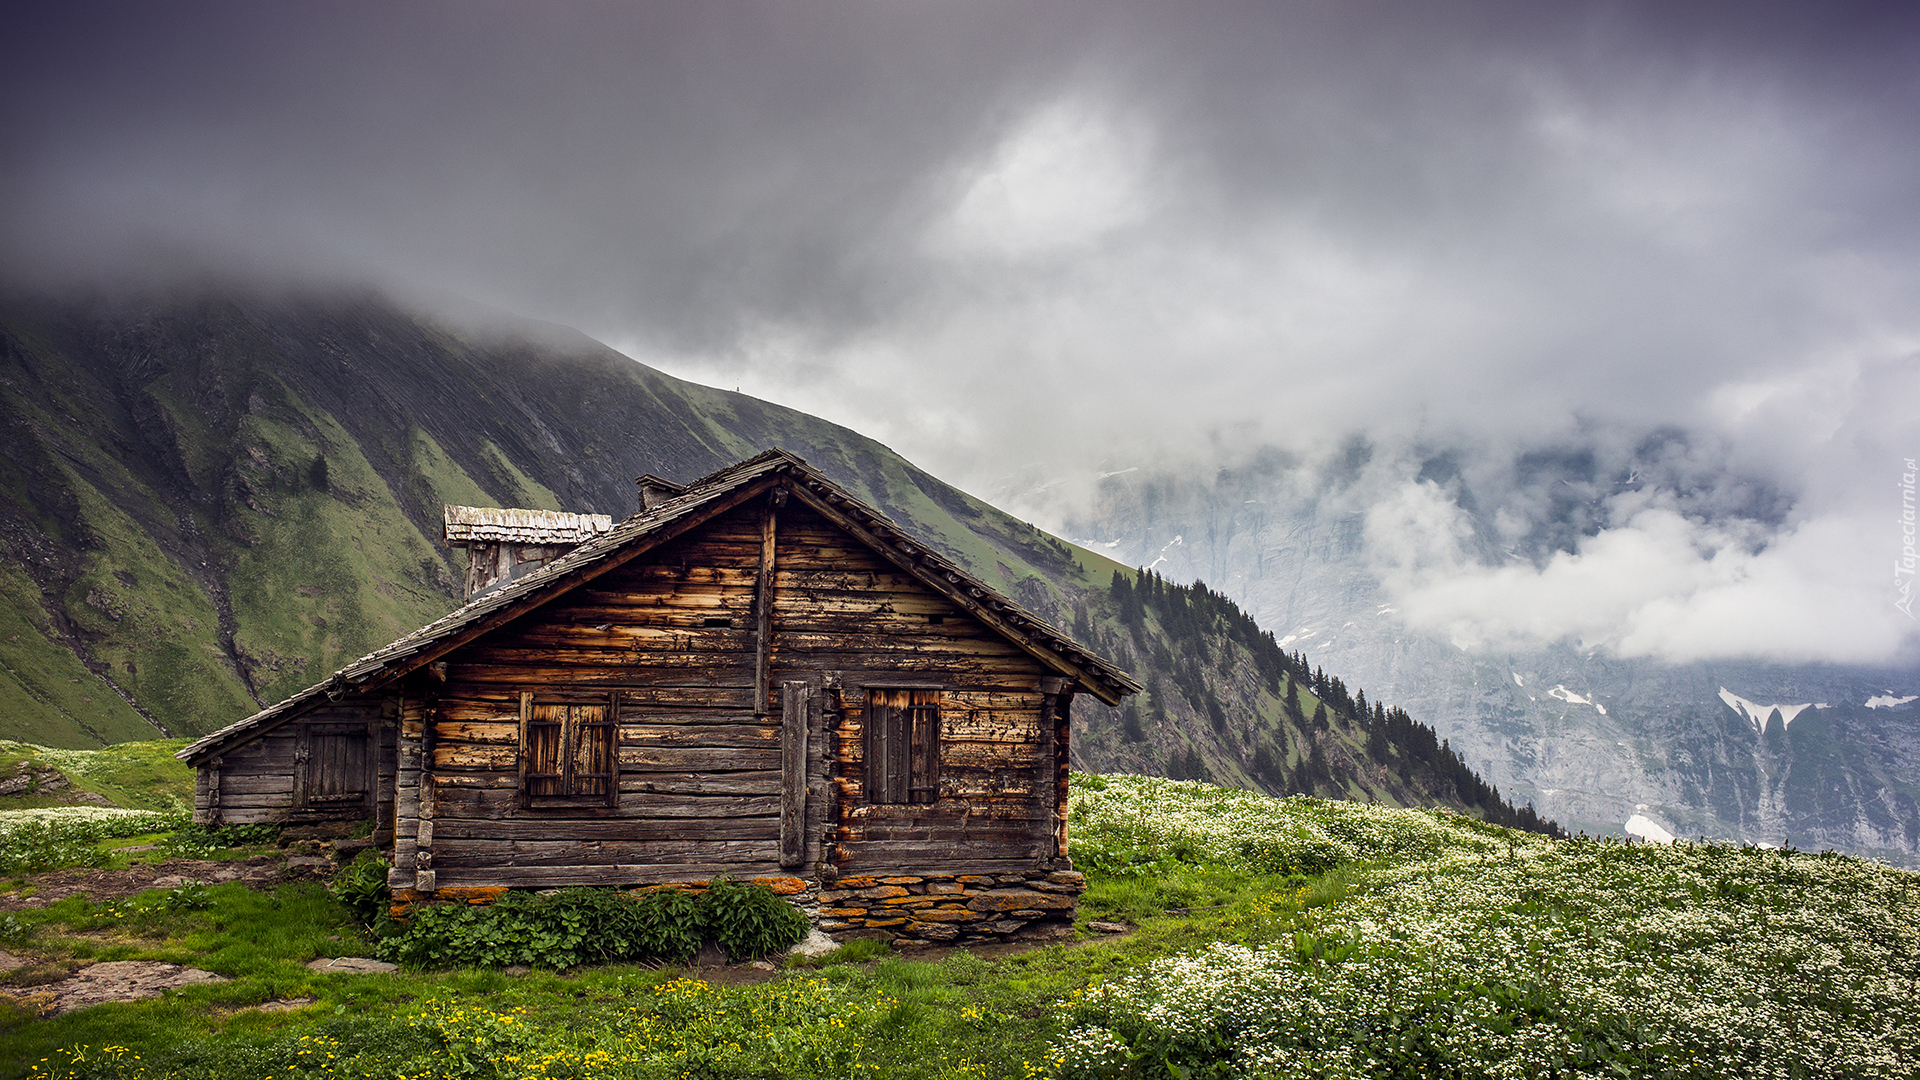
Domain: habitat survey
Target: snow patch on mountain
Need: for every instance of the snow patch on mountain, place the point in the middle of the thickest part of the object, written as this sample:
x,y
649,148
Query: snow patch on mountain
x,y
1644,829
1171,544
1572,698
1889,701
1758,714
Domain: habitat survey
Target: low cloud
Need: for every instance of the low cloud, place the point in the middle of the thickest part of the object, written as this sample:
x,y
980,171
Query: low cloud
x,y
1657,584
1027,243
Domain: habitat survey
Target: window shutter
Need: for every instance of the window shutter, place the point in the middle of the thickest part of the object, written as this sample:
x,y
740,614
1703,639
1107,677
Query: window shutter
x,y
594,759
546,750
903,746
569,750
923,731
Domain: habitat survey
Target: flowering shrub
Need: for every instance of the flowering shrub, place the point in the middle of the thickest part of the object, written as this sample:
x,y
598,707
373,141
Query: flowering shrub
x,y
32,841
1476,959
1131,821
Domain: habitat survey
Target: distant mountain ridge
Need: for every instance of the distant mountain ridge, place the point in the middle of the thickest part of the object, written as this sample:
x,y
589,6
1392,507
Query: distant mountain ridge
x,y
210,503
1811,755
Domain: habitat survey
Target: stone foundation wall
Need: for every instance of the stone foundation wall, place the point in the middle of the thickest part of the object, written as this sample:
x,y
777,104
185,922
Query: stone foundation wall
x,y
908,909
927,909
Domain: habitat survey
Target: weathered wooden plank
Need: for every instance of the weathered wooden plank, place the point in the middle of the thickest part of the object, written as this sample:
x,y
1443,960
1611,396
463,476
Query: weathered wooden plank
x,y
258,784
672,575
499,803
545,877
238,815
667,594
937,857
794,698
871,580
699,719
969,787
756,782
1027,702
763,601
504,759
988,725
985,756
595,639
802,595
939,666
912,604
568,853
696,759
736,699
505,711
504,731
949,811
482,781
234,800
525,835
746,736
664,668
925,641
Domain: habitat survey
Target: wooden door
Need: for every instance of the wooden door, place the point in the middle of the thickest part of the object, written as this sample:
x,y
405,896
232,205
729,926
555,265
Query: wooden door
x,y
335,767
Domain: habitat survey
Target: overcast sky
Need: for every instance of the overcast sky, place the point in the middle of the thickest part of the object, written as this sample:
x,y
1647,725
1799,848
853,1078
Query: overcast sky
x,y
1044,240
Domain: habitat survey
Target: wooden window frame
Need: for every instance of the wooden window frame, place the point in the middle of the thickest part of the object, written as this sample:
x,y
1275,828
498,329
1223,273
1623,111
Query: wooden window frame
x,y
901,751
573,727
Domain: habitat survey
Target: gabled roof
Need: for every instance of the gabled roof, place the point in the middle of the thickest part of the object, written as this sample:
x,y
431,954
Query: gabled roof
x,y
700,501
488,524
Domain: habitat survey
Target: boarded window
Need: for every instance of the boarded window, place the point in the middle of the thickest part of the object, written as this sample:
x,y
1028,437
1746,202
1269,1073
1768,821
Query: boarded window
x,y
903,746
335,766
568,752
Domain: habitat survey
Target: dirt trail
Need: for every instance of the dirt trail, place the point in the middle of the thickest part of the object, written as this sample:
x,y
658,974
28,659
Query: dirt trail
x,y
259,872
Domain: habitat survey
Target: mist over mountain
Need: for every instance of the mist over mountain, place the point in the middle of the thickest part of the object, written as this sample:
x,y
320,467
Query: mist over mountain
x,y
1594,695
211,500
1567,340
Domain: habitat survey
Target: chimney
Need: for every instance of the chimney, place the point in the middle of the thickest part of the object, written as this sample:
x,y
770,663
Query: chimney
x,y
654,491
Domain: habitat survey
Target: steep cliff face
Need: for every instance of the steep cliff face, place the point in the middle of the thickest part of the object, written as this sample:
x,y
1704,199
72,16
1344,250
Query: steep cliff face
x,y
1589,739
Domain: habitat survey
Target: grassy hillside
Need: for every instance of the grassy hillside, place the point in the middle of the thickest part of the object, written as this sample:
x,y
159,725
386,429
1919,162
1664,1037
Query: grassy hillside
x,y
130,775
214,503
1270,937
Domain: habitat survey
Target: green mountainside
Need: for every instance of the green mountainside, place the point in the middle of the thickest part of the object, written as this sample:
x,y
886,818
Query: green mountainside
x,y
208,504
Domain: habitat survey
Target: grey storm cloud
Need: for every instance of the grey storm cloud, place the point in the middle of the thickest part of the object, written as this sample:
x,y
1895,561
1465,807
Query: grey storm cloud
x,y
1026,242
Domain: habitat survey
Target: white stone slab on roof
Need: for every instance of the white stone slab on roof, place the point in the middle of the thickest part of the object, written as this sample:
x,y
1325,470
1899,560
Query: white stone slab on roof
x,y
494,525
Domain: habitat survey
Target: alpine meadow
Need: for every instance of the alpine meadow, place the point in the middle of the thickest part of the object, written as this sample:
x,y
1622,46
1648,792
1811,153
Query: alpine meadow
x,y
1032,540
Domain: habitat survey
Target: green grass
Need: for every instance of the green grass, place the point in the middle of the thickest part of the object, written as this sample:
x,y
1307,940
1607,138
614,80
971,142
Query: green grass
x,y
153,627
1426,945
46,694
136,775
327,573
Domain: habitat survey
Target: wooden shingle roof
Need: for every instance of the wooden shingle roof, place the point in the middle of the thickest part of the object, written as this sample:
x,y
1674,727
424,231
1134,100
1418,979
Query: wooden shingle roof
x,y
700,501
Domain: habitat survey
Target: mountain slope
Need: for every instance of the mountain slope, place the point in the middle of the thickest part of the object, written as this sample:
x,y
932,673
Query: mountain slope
x,y
1589,739
215,502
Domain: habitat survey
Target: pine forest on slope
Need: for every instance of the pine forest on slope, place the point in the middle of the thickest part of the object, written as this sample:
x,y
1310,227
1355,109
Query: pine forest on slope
x,y
212,503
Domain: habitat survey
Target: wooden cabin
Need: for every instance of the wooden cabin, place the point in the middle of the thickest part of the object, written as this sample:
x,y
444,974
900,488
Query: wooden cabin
x,y
757,675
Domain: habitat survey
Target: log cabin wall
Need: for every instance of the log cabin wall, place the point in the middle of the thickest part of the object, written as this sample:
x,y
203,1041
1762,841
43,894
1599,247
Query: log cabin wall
x,y
841,609
330,763
665,644
705,693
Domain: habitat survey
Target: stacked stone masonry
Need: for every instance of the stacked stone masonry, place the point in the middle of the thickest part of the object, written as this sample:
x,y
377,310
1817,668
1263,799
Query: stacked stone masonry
x,y
908,909
931,909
